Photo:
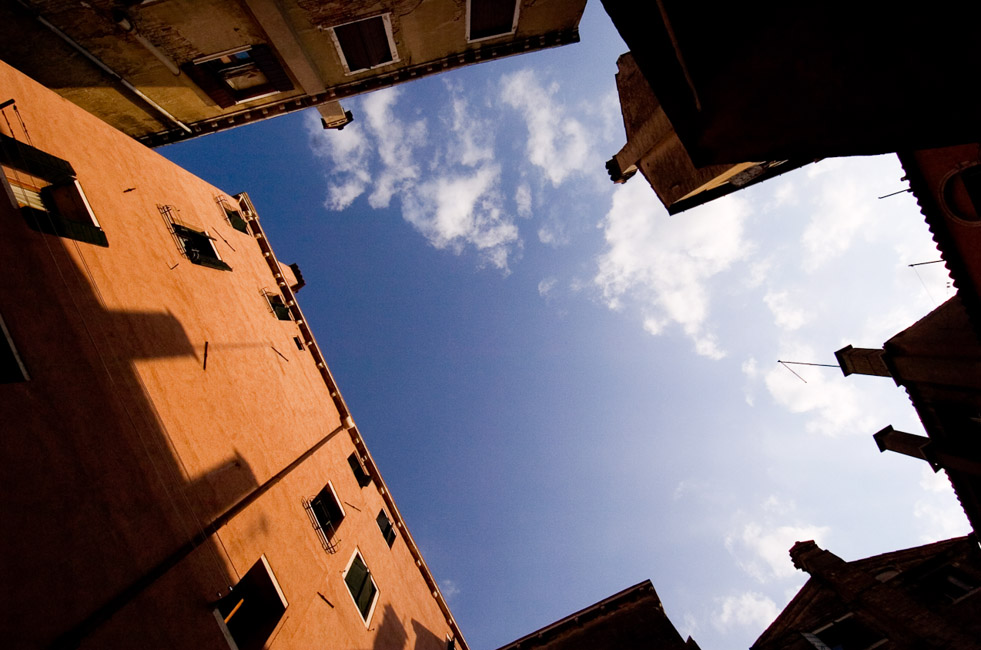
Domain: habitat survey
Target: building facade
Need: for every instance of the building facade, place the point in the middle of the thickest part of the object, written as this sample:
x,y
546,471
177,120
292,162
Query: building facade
x,y
167,70
179,467
654,148
925,597
632,619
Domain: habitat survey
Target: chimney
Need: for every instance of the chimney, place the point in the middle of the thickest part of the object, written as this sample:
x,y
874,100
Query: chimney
x,y
862,361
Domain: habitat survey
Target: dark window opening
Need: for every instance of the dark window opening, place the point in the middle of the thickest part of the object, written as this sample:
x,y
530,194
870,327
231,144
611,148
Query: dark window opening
x,y
846,634
199,248
489,18
278,306
949,584
327,511
253,608
236,77
235,219
47,193
360,473
11,366
299,344
361,586
386,527
365,44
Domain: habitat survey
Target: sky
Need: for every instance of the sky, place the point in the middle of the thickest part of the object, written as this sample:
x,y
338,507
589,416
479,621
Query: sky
x,y
568,391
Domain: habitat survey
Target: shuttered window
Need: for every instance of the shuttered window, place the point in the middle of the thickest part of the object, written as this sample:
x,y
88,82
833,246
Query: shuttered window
x,y
489,18
365,44
361,586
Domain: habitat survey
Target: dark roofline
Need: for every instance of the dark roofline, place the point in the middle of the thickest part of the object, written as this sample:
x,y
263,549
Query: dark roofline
x,y
937,223
592,612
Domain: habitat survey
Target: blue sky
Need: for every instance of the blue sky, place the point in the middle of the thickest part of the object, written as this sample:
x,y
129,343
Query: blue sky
x,y
567,390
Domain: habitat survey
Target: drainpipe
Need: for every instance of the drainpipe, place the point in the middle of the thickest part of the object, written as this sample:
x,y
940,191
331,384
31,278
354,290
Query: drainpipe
x,y
102,66
127,26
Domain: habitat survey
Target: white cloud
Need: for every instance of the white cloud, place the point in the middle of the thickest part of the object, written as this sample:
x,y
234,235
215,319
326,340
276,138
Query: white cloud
x,y
449,589
455,205
522,199
835,406
663,264
545,286
785,314
395,141
557,143
750,609
938,512
346,153
453,211
763,551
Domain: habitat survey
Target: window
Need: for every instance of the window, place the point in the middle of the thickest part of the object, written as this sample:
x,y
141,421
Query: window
x,y
491,18
199,247
239,75
248,615
362,586
277,306
359,470
11,367
386,527
47,193
949,584
326,514
365,44
233,215
847,633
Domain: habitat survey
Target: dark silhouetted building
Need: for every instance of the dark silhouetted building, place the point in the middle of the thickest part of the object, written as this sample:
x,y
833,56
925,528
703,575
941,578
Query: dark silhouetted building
x,y
630,620
919,598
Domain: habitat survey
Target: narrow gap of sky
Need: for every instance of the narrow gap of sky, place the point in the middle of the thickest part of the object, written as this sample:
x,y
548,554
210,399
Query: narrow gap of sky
x,y
569,391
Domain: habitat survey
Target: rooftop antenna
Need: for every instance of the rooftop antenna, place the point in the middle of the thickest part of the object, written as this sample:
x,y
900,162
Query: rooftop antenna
x,y
787,364
920,278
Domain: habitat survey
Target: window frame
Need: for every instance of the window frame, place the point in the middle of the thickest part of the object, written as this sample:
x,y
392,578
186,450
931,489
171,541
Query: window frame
x,y
222,620
366,618
361,474
390,534
328,541
209,76
814,637
386,19
213,261
514,24
53,199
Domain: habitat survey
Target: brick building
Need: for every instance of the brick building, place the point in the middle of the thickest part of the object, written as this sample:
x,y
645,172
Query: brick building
x,y
169,70
923,597
632,619
179,467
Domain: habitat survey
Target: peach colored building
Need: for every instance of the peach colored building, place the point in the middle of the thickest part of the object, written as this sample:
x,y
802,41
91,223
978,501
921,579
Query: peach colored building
x,y
179,468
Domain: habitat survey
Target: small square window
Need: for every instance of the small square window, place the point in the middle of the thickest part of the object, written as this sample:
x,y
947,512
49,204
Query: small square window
x,y
365,44
199,247
950,584
240,75
386,527
491,18
12,368
359,470
248,615
361,586
326,514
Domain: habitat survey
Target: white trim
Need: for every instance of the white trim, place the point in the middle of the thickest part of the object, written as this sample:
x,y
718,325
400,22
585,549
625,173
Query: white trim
x,y
8,190
336,499
374,602
272,577
387,22
218,55
514,25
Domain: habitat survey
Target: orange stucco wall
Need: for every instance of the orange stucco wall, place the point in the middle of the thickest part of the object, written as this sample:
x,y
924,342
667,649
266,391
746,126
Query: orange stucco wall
x,y
123,446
